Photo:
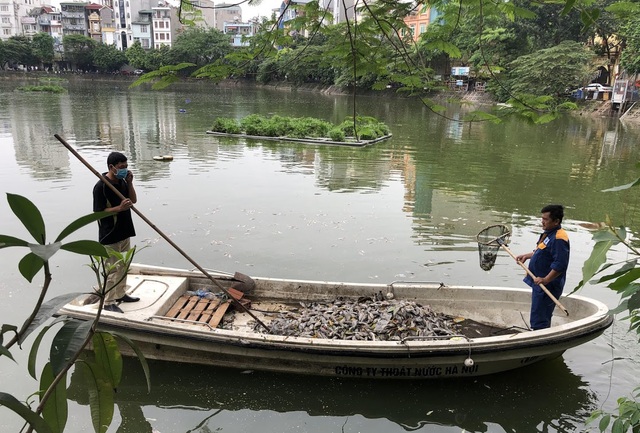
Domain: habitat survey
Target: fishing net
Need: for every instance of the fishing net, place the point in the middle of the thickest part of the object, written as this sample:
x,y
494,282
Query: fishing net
x,y
489,241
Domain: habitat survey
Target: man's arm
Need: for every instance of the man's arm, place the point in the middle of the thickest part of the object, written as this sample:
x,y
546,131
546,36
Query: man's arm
x,y
524,257
133,196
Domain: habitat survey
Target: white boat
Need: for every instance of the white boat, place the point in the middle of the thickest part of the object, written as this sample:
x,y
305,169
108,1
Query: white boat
x,y
169,325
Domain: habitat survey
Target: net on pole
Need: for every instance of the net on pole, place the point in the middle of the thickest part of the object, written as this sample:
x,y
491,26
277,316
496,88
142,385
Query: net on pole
x,y
489,241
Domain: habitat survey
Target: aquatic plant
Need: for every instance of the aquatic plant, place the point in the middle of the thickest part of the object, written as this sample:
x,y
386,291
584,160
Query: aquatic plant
x,y
368,128
44,88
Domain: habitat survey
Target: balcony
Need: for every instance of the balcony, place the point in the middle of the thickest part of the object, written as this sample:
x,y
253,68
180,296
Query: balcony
x,y
72,15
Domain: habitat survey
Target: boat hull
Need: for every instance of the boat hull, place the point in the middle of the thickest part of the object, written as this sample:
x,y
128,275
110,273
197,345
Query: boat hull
x,y
242,347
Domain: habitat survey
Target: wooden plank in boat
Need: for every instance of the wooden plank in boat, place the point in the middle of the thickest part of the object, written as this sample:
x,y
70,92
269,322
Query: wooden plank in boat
x,y
198,309
193,300
217,316
177,306
208,312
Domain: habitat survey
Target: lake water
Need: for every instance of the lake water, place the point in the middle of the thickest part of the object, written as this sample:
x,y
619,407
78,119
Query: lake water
x,y
405,209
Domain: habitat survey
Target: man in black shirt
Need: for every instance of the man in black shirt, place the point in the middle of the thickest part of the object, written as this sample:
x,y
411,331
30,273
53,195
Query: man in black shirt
x,y
115,230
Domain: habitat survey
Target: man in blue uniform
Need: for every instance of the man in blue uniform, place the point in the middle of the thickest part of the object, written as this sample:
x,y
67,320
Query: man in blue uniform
x,y
549,262
115,230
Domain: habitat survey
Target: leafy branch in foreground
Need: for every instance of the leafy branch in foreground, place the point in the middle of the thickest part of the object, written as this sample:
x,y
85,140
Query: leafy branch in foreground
x,y
50,415
621,277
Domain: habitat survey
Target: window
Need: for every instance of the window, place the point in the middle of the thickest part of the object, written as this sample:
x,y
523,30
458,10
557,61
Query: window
x,y
6,32
144,29
423,28
4,8
156,36
5,20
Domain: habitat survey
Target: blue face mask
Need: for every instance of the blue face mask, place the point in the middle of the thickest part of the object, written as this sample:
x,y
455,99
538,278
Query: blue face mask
x,y
121,173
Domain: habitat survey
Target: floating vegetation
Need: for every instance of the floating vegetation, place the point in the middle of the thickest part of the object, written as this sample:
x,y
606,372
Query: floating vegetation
x,y
364,319
44,88
366,128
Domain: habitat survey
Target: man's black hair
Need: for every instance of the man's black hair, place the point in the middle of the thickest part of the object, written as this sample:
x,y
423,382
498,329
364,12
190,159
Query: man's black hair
x,y
115,158
556,211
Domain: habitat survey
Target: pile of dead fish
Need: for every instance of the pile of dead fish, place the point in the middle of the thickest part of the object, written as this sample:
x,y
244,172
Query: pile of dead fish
x,y
363,319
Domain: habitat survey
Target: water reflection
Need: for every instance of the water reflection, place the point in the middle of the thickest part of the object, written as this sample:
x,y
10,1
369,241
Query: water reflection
x,y
207,399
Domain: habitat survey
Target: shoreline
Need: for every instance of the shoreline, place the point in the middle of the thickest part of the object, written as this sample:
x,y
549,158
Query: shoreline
x,y
589,108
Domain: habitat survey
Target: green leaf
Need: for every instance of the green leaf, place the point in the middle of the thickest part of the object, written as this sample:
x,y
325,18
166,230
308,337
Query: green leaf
x,y
10,241
5,352
29,215
87,248
108,356
567,7
625,279
623,187
81,222
597,258
30,265
67,342
604,422
33,353
101,394
55,408
634,301
141,358
623,270
5,328
620,308
618,426
47,311
10,402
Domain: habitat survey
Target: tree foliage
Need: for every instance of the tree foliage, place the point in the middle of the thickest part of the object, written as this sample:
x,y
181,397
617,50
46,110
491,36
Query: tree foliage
x,y
550,71
78,50
630,58
200,46
108,58
43,47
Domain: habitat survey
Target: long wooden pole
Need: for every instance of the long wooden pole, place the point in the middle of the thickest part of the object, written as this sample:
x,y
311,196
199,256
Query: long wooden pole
x,y
153,226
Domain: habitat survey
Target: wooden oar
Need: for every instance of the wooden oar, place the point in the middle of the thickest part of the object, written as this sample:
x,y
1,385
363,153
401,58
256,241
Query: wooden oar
x,y
528,271
153,226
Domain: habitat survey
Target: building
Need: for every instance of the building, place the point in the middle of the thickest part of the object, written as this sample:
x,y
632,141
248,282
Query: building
x,y
337,9
163,24
14,17
418,21
94,24
108,25
239,32
226,13
204,15
141,29
290,9
73,19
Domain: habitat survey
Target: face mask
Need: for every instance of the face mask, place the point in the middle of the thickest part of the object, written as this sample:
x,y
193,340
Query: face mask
x,y
121,173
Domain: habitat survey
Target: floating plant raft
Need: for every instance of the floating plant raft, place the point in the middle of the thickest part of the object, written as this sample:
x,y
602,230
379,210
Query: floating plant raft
x,y
368,130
